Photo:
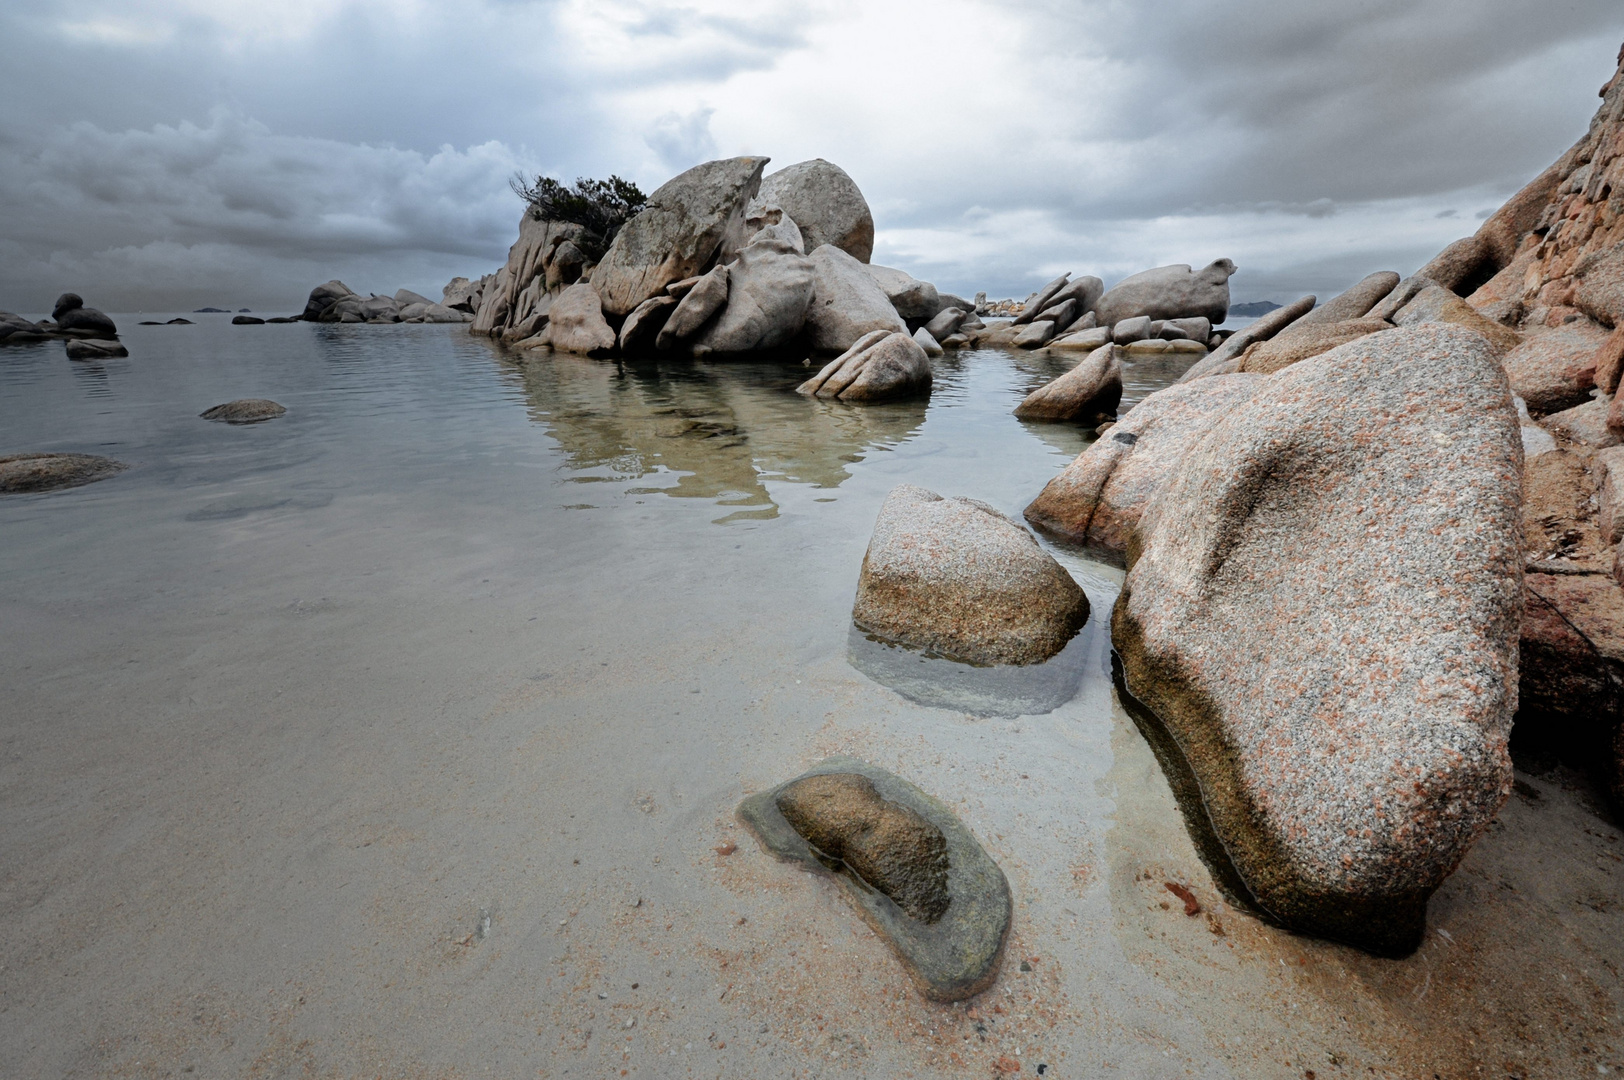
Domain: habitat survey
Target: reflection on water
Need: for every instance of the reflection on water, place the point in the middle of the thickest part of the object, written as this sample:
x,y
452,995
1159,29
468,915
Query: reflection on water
x,y
978,690
722,431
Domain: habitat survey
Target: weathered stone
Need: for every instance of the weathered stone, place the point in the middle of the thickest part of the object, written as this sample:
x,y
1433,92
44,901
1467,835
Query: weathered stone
x,y
27,474
1130,330
1610,362
1084,339
1303,340
957,577
576,323
14,329
931,346
1034,335
825,203
1170,292
1197,329
1326,621
914,299
880,366
687,223
1585,424
642,327
1355,303
847,302
1040,300
1085,290
245,411
72,317
1086,321
696,308
380,309
1556,369
1435,304
1561,533
1087,393
246,320
769,291
1600,293
1609,468
946,323
95,349
1097,500
1219,361
1061,313
915,874
405,298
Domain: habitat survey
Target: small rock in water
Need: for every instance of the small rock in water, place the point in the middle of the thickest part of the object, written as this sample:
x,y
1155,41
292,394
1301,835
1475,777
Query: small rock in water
x,y
247,320
24,474
95,349
245,411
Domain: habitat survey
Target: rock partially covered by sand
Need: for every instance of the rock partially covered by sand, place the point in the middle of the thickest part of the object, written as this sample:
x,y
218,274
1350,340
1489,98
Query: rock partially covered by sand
x,y
1323,610
916,875
957,577
245,411
1170,292
26,474
880,366
1087,392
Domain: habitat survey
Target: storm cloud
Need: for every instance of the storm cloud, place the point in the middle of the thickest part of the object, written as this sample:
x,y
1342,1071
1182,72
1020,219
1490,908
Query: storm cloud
x,y
163,154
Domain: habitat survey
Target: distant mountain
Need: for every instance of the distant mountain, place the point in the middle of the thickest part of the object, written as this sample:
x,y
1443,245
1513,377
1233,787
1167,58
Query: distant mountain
x,y
1252,310
212,311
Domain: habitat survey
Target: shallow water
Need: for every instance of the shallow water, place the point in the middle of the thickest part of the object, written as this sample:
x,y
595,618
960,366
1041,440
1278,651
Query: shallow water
x,y
391,735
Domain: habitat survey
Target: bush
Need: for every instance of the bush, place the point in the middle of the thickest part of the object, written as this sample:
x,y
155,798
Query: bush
x,y
599,206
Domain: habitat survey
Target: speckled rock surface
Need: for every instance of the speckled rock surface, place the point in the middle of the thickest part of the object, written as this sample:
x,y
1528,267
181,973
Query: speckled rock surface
x,y
1561,528
880,366
1096,501
826,203
1556,369
892,838
25,474
1354,302
1088,392
1217,362
846,302
1324,611
576,323
95,349
245,411
1438,305
957,577
1303,340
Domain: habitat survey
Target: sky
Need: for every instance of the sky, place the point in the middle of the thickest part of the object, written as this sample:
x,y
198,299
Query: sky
x,y
169,154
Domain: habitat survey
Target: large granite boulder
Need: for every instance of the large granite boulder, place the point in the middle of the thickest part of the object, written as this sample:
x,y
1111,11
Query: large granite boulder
x,y
769,291
28,474
642,327
324,297
576,323
514,301
691,221
1354,303
957,577
881,365
72,317
698,304
1304,339
1169,292
1088,392
463,295
1097,500
1556,369
1039,301
1436,304
380,309
1082,293
1225,359
825,203
1323,611
915,300
847,302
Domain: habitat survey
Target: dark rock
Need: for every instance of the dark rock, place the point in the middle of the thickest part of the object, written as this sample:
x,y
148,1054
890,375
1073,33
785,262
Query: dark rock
x,y
25,474
321,301
245,411
188,322
247,320
910,867
95,349
72,317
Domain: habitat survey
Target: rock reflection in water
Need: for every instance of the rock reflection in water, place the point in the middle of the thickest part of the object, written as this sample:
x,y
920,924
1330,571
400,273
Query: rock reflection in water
x,y
723,430
980,690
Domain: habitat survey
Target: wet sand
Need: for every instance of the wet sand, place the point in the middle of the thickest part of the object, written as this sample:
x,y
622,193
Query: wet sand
x,y
399,736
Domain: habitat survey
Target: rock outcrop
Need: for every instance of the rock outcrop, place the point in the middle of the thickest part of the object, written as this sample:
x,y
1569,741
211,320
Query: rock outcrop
x,y
1088,393
1170,292
1326,622
73,318
770,287
880,366
825,203
915,300
576,323
916,875
958,578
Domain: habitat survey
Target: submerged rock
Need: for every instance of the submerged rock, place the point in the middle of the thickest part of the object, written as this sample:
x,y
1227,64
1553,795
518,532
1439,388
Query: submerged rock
x,y
245,411
26,474
95,349
904,860
957,577
1322,607
1087,393
880,366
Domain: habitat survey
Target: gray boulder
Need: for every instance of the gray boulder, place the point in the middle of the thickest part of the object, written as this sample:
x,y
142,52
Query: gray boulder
x,y
847,302
1083,292
380,309
880,366
1039,300
460,294
774,225
931,346
1062,313
825,203
1356,302
1302,340
1170,292
1089,339
1130,330
1438,305
95,349
698,305
1197,329
405,298
946,323
687,223
1226,356
576,323
1034,335
323,298
72,317
1335,661
957,577
914,299
1088,392
14,329
769,291
1086,321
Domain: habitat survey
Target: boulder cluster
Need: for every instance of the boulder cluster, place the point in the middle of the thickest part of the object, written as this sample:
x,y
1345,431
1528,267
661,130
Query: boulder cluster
x,y
90,334
337,302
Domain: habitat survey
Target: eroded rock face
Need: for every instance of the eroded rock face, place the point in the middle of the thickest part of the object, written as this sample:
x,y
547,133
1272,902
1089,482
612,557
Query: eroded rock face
x,y
95,349
1097,500
1170,292
957,577
1086,393
880,366
1556,369
1327,621
688,223
886,844
26,474
909,866
827,205
847,302
699,304
245,411
769,291
576,323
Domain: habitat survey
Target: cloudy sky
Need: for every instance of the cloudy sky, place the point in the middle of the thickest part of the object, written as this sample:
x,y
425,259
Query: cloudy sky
x,y
166,154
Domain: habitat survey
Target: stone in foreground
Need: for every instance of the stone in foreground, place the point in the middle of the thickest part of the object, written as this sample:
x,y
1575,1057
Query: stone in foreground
x,y
245,411
958,578
910,867
880,366
1323,611
27,474
1087,392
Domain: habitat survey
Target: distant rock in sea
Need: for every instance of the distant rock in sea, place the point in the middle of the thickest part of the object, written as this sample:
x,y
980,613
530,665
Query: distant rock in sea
x,y
1252,310
212,311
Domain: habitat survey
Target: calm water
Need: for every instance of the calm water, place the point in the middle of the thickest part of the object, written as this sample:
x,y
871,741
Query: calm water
x,y
401,735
